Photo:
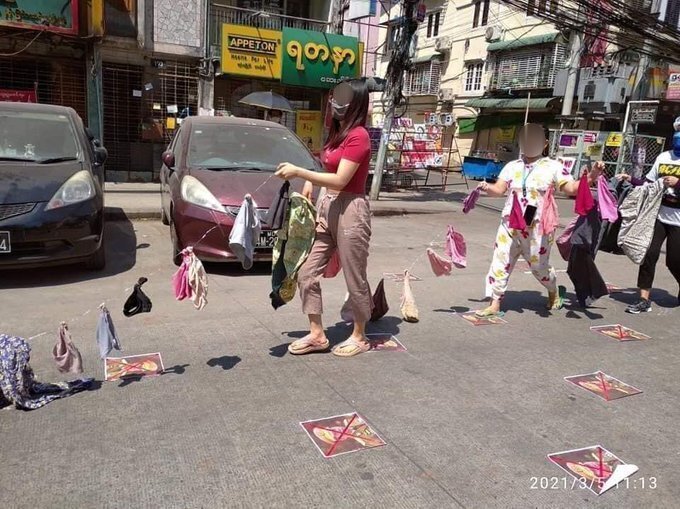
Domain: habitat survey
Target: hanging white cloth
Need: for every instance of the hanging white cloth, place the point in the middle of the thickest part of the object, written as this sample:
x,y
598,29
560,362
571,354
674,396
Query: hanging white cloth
x,y
245,233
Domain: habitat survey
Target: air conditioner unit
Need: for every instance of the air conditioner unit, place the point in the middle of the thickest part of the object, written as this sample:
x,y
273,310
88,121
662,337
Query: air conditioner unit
x,y
602,93
443,44
494,33
446,94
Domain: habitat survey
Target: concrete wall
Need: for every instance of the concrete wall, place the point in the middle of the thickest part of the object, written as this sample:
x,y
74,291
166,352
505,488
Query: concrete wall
x,y
178,27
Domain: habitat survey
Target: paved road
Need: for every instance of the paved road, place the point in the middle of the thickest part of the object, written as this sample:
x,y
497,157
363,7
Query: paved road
x,y
468,413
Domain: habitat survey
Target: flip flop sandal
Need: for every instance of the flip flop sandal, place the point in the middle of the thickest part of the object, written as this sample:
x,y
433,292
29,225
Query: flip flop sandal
x,y
306,346
559,301
487,313
357,347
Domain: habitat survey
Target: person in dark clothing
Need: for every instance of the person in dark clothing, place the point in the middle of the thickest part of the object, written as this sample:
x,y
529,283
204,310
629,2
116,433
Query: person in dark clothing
x,y
667,227
584,274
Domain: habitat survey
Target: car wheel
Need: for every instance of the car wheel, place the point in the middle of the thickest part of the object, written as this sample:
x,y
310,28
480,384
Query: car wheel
x,y
176,256
98,260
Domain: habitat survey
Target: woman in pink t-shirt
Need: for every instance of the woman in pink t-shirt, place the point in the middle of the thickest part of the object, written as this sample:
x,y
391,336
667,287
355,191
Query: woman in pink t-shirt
x,y
343,222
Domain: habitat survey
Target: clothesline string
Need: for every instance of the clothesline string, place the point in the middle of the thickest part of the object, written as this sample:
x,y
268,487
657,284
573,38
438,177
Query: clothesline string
x,y
418,257
218,225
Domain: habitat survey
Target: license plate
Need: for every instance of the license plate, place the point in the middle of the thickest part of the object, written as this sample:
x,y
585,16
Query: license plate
x,y
267,239
5,245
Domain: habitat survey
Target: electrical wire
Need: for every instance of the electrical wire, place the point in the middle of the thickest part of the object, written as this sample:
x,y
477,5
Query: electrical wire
x,y
629,27
25,47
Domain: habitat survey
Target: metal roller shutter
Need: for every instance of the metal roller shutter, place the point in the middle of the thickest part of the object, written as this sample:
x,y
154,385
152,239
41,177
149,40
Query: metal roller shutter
x,y
57,81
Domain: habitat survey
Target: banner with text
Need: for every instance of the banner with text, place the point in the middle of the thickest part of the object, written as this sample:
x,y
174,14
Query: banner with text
x,y
318,59
308,128
49,15
251,51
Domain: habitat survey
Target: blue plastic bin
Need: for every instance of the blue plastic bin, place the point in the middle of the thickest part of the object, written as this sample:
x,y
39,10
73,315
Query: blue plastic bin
x,y
479,168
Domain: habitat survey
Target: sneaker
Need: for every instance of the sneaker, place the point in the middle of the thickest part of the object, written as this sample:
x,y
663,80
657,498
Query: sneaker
x,y
643,306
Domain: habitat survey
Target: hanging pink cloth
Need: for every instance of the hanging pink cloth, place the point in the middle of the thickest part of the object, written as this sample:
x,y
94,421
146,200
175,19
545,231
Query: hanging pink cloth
x,y
584,198
550,216
180,280
564,241
471,200
516,220
333,268
440,265
197,279
606,202
456,248
65,353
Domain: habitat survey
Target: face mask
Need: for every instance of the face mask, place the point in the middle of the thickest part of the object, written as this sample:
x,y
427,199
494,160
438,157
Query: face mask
x,y
676,144
339,111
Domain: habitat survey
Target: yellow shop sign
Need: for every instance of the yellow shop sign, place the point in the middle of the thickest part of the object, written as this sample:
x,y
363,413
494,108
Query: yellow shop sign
x,y
251,51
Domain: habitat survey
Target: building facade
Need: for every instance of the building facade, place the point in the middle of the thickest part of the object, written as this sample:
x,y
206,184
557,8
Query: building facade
x,y
130,68
43,53
480,60
147,65
287,47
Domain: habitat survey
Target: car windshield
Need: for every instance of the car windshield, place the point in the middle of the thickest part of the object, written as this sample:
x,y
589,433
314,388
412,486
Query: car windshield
x,y
34,136
246,147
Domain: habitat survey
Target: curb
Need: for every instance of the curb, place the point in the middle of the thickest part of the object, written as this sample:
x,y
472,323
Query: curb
x,y
391,212
118,214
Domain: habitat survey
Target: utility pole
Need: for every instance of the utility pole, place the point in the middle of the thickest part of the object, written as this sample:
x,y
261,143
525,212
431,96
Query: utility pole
x,y
572,78
393,95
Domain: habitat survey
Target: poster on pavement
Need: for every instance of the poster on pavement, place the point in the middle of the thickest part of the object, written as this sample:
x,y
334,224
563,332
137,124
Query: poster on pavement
x,y
341,434
605,386
593,468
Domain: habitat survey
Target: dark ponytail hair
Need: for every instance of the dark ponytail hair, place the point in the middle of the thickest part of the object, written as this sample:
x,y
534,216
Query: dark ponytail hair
x,y
357,114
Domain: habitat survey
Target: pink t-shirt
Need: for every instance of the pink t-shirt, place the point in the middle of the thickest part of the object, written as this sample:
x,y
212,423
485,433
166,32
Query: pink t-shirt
x,y
356,147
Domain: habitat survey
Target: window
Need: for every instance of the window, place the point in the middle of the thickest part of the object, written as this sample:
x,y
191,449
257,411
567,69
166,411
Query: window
x,y
670,12
423,79
529,68
473,77
481,15
433,24
541,7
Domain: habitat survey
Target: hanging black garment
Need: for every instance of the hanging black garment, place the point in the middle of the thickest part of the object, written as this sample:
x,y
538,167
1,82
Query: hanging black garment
x,y
276,215
587,280
380,306
609,233
137,302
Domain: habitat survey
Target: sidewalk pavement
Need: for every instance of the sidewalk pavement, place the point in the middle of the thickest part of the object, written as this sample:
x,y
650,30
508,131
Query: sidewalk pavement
x,y
142,201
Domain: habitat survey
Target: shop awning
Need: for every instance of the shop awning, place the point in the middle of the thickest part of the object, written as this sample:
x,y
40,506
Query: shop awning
x,y
523,42
424,58
538,103
470,125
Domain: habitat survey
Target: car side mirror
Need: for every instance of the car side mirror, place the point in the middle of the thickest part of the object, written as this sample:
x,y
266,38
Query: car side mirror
x,y
169,159
100,155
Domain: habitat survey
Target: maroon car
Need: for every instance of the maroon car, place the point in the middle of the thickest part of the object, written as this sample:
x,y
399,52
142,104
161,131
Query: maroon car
x,y
211,164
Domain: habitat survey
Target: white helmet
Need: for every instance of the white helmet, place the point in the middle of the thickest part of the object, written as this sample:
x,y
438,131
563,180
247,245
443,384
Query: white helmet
x,y
676,124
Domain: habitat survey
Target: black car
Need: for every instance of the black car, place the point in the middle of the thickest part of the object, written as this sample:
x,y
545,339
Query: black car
x,y
51,188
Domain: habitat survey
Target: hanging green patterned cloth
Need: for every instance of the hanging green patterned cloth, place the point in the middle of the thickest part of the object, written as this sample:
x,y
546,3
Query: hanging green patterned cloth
x,y
293,245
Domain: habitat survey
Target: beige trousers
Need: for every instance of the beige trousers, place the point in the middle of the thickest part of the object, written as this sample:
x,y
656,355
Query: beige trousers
x,y
343,223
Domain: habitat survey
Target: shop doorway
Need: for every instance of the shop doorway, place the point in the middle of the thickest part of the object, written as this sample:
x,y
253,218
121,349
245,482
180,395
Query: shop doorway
x,y
142,109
